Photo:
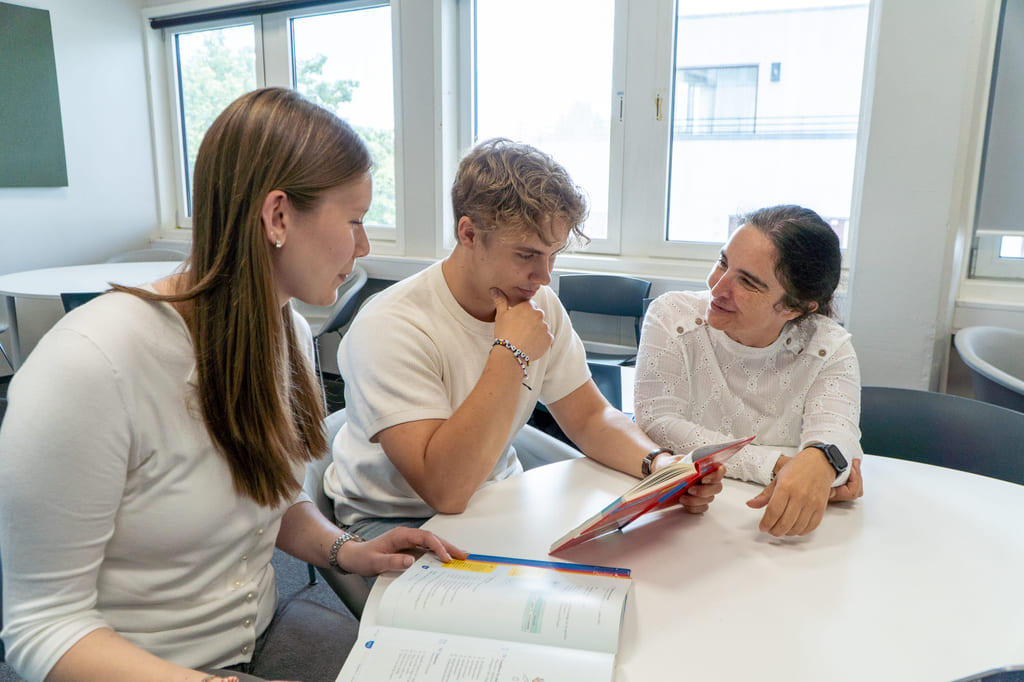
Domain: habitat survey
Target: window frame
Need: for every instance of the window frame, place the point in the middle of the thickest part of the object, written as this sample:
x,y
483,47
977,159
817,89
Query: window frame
x,y
610,244
643,77
274,43
182,194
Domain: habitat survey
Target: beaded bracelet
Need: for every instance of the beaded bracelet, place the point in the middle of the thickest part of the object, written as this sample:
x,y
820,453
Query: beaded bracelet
x,y
522,358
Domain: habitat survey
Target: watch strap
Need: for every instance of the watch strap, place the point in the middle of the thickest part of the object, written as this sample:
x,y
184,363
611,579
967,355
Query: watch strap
x,y
648,462
332,556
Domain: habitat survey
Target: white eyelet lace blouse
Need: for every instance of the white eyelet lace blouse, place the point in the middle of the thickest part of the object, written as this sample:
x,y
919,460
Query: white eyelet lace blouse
x,y
695,385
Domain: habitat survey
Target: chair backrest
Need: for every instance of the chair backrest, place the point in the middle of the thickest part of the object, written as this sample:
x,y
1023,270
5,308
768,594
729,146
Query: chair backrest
x,y
351,589
608,379
348,302
946,430
147,255
995,357
3,351
616,295
71,300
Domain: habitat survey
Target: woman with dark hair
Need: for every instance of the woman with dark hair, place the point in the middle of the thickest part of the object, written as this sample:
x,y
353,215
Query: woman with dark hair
x,y
152,454
759,354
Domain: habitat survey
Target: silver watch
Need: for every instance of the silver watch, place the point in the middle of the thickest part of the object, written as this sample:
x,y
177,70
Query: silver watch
x,y
332,556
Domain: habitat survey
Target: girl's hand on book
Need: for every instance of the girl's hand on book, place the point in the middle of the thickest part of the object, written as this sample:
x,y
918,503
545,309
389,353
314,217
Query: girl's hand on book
x,y
699,496
388,552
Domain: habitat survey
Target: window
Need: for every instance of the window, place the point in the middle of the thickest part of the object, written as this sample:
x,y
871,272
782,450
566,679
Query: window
x,y
677,119
215,66
353,78
543,75
338,55
998,225
777,123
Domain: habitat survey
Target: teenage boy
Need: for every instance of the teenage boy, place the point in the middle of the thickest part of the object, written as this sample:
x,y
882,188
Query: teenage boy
x,y
443,369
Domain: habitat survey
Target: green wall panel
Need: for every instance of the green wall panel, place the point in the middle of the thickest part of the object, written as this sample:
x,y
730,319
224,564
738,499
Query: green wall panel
x,y
31,137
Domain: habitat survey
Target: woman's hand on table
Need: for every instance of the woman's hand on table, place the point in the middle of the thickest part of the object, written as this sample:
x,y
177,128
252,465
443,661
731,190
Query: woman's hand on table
x,y
794,502
387,552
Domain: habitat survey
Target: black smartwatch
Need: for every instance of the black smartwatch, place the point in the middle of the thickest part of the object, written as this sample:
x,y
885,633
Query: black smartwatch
x,y
833,455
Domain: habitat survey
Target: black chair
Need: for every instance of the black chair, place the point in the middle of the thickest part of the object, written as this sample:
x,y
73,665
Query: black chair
x,y
612,296
609,295
995,357
71,300
945,430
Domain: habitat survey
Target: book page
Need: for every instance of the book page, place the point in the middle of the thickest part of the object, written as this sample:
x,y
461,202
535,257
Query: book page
x,y
396,655
674,472
528,604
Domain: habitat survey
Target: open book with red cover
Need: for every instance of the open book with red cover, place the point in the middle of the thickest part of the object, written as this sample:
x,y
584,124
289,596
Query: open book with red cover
x,y
659,490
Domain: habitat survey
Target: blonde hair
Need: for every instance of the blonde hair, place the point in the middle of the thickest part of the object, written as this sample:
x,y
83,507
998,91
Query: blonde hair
x,y
259,398
501,183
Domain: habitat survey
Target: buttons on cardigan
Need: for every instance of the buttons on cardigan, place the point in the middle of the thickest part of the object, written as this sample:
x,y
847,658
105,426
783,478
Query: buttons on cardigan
x,y
250,596
699,321
238,583
245,557
259,531
247,623
679,330
821,353
789,340
245,650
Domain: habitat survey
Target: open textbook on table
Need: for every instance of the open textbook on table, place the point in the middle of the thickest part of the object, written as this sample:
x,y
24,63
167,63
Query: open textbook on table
x,y
493,619
659,490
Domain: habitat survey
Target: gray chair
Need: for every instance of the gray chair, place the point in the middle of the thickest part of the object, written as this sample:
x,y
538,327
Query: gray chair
x,y
351,589
4,327
343,310
147,255
533,448
945,430
995,357
3,651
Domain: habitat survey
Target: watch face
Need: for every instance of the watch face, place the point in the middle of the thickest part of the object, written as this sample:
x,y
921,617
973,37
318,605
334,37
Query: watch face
x,y
835,457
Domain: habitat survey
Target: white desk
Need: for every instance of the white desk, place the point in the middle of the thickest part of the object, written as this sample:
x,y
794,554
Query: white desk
x,y
49,283
921,579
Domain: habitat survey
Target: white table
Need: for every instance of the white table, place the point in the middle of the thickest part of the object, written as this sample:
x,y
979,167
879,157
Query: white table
x,y
49,283
921,579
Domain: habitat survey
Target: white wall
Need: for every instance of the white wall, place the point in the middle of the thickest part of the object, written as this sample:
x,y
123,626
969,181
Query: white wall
x,y
109,204
920,167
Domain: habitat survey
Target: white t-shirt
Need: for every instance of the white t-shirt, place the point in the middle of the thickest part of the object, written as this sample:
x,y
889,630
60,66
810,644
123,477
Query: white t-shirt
x,y
116,508
414,353
695,385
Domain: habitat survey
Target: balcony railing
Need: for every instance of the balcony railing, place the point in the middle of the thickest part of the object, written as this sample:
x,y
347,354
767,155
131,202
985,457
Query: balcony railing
x,y
767,126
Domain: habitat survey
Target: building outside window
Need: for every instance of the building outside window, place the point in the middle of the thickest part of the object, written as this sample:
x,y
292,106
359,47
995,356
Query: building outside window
x,y
775,121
